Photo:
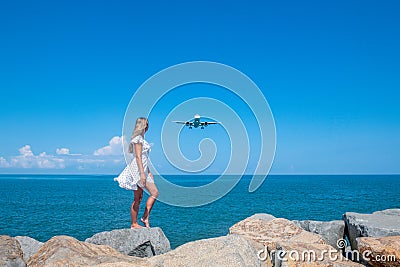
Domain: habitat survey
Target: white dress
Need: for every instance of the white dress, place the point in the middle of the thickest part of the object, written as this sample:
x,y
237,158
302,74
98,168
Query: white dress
x,y
130,176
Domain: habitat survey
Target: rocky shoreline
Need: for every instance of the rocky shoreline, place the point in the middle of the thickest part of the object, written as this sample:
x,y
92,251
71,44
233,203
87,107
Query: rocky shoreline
x,y
259,240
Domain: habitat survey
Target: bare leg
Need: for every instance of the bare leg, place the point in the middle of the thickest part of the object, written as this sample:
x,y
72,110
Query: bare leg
x,y
150,202
138,194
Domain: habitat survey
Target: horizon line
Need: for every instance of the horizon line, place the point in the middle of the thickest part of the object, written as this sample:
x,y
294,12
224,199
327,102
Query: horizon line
x,y
170,174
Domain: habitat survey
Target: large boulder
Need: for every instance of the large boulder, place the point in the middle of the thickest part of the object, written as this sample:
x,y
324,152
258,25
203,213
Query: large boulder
x,y
67,251
229,251
11,254
331,231
139,242
380,251
273,239
268,233
377,224
29,246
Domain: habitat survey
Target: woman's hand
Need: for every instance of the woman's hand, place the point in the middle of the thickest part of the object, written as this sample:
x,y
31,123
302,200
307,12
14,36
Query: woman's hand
x,y
143,179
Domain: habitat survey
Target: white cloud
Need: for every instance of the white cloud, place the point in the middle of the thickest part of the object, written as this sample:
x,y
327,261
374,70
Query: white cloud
x,y
114,148
45,161
4,163
27,160
108,159
26,151
62,151
88,160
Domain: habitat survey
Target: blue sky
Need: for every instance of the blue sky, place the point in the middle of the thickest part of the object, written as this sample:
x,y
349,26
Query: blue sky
x,y
329,70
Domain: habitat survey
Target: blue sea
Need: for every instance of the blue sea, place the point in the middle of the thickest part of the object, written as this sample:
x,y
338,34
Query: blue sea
x,y
42,206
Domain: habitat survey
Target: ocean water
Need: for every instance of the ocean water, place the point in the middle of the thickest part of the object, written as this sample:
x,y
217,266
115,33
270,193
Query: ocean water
x,y
42,206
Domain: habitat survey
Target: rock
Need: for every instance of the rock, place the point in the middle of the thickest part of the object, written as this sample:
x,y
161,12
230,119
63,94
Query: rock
x,y
230,251
280,236
141,242
392,212
11,254
377,224
380,251
144,250
67,251
306,254
29,246
270,232
116,264
262,216
331,231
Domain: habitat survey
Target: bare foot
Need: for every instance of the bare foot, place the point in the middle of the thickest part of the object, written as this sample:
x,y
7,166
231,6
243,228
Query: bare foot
x,y
135,225
146,222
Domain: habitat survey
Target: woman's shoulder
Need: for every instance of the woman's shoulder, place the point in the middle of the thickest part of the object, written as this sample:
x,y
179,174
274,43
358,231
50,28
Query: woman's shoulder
x,y
137,139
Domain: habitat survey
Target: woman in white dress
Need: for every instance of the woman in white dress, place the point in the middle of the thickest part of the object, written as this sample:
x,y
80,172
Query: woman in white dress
x,y
137,176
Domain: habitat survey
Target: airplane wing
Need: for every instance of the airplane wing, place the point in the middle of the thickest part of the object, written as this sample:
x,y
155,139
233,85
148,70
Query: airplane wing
x,y
208,123
184,122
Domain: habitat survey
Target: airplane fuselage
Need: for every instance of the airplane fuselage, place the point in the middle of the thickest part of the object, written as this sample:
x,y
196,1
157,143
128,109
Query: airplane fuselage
x,y
196,122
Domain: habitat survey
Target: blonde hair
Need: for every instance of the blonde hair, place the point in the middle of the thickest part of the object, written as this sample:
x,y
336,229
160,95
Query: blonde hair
x,y
140,128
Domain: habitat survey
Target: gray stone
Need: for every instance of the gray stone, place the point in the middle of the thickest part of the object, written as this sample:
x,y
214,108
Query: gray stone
x,y
394,212
10,252
29,246
230,251
141,241
377,224
262,216
331,231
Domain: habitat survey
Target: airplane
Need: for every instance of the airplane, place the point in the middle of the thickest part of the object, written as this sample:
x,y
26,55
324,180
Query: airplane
x,y
196,122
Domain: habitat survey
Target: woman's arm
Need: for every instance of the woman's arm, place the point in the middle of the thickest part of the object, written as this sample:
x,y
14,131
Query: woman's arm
x,y
138,150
